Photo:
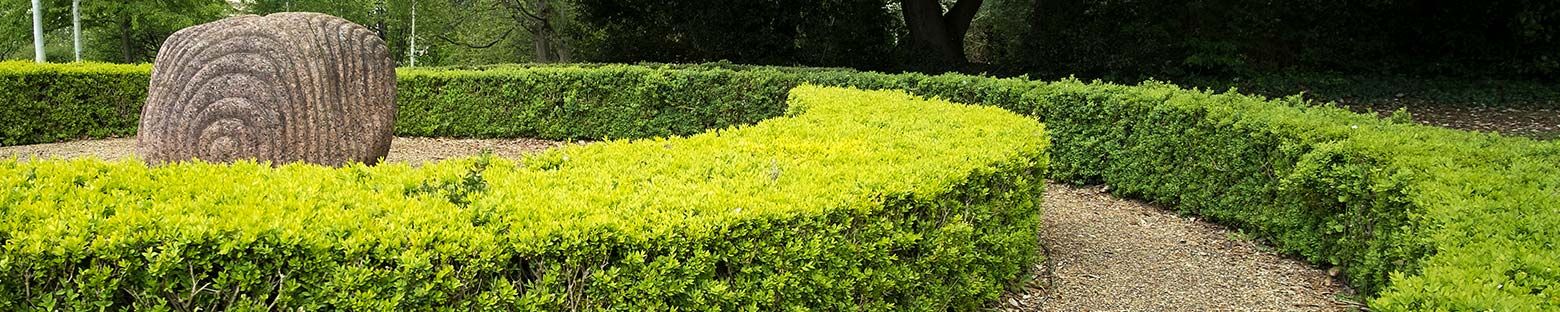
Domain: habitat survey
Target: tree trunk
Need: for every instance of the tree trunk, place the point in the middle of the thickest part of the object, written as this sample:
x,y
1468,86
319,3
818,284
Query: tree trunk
x,y
411,49
543,37
125,42
536,17
939,33
75,27
561,47
379,20
37,19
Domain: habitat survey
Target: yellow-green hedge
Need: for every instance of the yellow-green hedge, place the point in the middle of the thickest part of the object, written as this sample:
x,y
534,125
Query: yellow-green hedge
x,y
869,200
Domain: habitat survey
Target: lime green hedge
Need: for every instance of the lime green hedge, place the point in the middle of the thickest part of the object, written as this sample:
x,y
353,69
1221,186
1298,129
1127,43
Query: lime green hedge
x,y
843,204
1418,217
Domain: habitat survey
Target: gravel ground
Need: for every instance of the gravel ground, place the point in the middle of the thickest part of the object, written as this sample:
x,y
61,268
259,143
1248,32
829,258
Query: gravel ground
x,y
1110,254
1104,253
1541,123
411,150
418,150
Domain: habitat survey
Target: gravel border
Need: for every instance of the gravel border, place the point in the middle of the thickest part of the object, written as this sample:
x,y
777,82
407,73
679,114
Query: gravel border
x,y
1109,254
411,150
1542,123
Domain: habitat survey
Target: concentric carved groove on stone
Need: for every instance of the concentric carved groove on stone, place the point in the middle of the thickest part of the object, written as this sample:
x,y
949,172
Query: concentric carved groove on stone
x,y
285,87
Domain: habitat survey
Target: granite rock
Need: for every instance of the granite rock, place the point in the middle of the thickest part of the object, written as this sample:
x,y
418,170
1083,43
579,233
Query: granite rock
x,y
283,88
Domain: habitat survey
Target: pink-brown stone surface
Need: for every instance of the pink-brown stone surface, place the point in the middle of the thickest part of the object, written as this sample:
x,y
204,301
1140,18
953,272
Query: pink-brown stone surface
x,y
284,88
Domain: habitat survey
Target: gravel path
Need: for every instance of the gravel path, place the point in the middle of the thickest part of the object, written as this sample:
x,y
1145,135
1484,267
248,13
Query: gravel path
x,y
1103,253
411,150
1541,123
1110,254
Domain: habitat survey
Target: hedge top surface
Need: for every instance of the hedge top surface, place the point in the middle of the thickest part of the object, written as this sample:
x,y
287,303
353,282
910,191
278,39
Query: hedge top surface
x,y
836,149
27,67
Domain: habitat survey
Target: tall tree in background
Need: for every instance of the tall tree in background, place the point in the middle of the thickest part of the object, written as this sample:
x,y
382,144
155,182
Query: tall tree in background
x,y
121,31
16,27
391,18
11,23
484,32
539,17
140,26
37,28
997,32
75,28
857,33
939,31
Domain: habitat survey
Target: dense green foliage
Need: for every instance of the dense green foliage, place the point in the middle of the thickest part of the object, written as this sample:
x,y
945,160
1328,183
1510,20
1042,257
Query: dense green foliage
x,y
447,32
830,33
127,31
1394,90
1118,40
1221,37
855,200
1419,217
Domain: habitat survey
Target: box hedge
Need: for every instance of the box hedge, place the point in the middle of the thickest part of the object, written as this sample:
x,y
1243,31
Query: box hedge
x,y
50,103
1420,218
841,204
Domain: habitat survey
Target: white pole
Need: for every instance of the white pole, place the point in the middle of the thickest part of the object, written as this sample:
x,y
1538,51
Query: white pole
x,y
411,51
75,26
37,12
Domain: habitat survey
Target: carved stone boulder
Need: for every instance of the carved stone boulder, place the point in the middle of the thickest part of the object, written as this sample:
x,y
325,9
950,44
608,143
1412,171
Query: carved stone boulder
x,y
284,88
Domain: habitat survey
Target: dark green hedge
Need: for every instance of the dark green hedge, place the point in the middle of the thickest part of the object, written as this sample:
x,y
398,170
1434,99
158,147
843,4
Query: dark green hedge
x,y
1418,217
840,205
50,103
61,102
1423,218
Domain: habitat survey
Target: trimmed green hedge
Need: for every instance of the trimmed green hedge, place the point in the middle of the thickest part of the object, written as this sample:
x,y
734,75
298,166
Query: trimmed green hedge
x,y
61,102
51,103
840,205
1420,218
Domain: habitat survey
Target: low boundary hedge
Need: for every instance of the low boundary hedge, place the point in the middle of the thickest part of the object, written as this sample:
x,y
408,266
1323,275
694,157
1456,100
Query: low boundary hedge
x,y
840,205
51,103
1420,218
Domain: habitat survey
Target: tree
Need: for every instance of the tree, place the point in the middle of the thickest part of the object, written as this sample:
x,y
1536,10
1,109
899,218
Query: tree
x,y
132,31
857,33
997,32
392,19
75,28
8,27
938,31
538,18
17,26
